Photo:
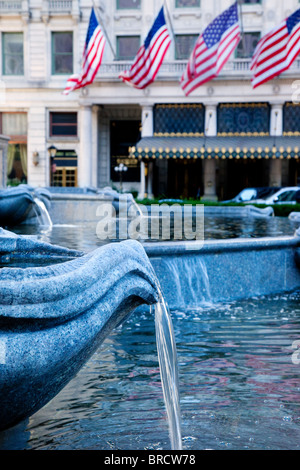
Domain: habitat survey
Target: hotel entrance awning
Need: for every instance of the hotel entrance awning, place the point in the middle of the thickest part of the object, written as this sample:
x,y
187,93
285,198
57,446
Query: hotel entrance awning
x,y
237,147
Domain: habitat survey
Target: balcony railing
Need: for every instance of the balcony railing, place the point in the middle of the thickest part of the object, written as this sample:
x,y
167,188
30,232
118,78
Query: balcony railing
x,y
10,6
111,70
173,70
60,5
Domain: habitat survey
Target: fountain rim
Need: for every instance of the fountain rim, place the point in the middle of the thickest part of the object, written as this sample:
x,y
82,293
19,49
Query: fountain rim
x,y
168,248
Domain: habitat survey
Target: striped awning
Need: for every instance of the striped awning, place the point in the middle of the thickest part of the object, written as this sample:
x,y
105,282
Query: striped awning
x,y
219,147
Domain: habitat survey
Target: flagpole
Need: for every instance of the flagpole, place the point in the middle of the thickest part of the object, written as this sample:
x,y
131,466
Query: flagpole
x,y
103,28
242,24
171,26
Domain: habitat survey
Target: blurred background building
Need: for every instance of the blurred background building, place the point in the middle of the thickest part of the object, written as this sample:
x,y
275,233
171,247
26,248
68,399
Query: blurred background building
x,y
222,138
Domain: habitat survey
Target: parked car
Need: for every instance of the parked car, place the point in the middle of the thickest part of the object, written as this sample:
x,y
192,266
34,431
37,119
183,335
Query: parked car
x,y
289,195
251,194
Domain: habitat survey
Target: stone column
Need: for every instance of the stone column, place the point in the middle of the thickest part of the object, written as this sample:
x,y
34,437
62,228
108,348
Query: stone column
x,y
150,180
147,131
94,155
86,148
210,180
143,181
211,120
276,127
147,121
210,190
276,124
3,161
275,176
37,142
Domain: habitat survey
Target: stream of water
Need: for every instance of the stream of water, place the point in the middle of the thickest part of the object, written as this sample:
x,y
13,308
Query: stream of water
x,y
167,357
42,213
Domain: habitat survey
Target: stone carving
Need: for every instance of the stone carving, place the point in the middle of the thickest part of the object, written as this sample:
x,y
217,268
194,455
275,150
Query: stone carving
x,y
16,204
54,317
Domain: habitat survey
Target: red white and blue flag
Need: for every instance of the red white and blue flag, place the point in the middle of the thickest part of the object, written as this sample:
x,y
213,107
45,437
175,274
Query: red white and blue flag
x,y
150,56
212,50
276,51
92,56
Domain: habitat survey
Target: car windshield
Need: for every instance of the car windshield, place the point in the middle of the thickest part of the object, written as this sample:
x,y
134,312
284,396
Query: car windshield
x,y
286,196
247,195
264,193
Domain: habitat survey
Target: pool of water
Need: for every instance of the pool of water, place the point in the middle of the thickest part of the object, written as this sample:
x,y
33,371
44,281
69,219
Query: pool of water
x,y
239,372
83,236
239,385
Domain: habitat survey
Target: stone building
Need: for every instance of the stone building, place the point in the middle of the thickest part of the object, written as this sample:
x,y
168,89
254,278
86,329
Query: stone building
x,y
223,137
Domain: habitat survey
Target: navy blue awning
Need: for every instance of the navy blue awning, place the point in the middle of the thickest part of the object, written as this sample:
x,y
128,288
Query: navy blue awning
x,y
219,147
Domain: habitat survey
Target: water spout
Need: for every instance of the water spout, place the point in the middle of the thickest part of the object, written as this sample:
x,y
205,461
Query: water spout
x,y
42,213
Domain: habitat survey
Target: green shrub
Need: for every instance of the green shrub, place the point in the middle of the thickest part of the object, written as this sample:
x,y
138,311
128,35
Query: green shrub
x,y
280,210
13,182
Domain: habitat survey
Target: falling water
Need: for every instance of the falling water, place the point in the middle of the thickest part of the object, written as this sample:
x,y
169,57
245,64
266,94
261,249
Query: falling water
x,y
190,281
42,214
167,357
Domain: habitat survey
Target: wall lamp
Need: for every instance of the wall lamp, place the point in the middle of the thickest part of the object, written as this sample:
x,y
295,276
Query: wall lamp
x,y
35,158
52,151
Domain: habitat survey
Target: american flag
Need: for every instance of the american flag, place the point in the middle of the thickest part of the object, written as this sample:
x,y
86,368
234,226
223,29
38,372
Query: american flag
x,y
92,56
212,50
276,51
150,55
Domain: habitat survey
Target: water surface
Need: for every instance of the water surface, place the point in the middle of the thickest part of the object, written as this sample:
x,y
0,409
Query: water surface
x,y
83,236
239,386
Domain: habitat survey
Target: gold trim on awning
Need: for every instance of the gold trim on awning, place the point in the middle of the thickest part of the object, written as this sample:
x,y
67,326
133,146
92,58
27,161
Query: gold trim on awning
x,y
241,147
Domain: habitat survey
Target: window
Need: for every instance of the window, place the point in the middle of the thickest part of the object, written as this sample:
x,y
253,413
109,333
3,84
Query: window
x,y
64,169
15,126
291,119
250,1
286,196
17,163
13,54
179,119
184,44
187,3
244,119
62,53
127,47
63,124
247,45
128,4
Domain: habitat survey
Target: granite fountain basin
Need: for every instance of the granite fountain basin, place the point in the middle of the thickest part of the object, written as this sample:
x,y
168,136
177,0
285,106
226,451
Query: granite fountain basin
x,y
17,204
215,271
54,316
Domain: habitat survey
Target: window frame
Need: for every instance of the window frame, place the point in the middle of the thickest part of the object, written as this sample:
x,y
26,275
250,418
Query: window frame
x,y
6,33
118,7
195,35
257,2
241,41
15,138
122,36
62,136
53,53
187,6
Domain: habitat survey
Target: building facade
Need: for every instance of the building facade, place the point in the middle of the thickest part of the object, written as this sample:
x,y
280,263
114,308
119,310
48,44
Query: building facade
x,y
225,136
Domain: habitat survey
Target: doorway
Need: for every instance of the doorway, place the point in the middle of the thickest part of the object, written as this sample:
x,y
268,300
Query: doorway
x,y
64,169
185,179
245,174
124,134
